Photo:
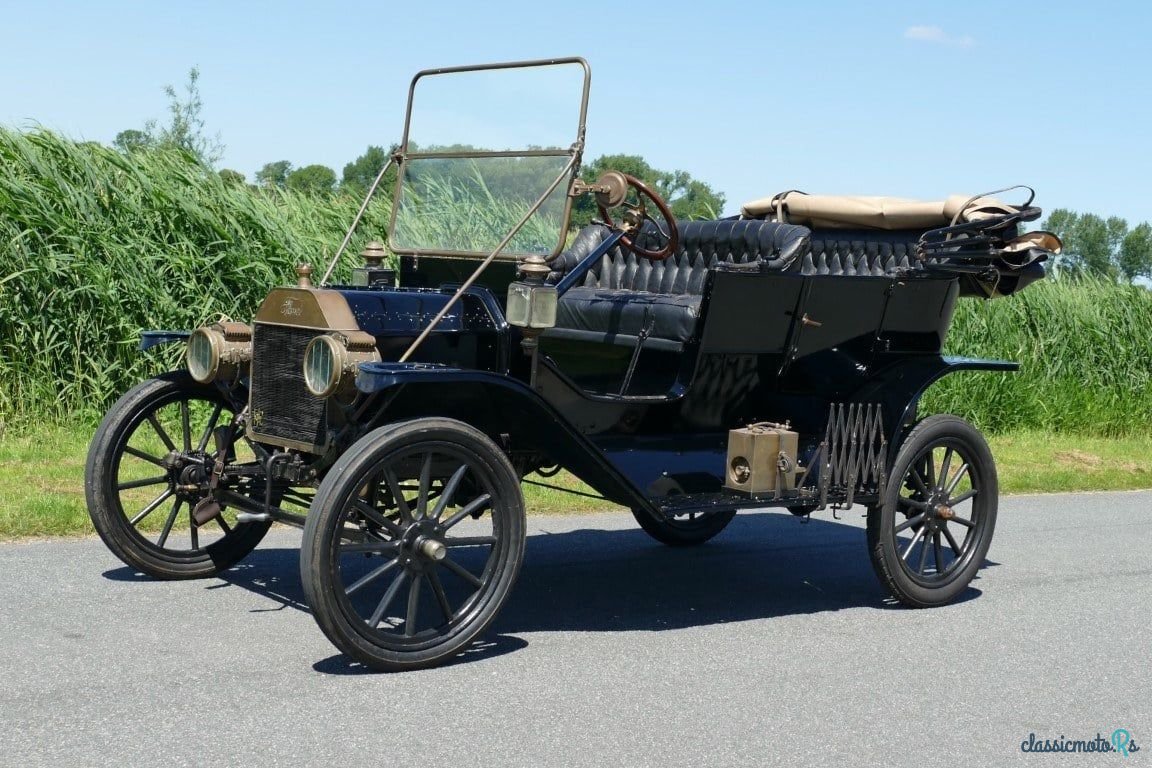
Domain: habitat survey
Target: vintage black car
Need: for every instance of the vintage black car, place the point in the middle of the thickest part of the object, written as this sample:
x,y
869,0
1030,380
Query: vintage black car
x,y
683,369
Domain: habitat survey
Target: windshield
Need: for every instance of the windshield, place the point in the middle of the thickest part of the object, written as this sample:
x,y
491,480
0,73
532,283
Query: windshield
x,y
481,147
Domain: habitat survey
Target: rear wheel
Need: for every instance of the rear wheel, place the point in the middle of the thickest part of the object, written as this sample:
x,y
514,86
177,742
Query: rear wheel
x,y
413,543
686,530
148,468
931,533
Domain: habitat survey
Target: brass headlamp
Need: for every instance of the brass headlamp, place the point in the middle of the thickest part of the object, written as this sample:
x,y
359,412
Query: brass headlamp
x,y
219,351
332,359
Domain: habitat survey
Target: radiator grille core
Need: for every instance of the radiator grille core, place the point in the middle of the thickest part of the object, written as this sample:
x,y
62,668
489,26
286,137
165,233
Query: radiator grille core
x,y
281,406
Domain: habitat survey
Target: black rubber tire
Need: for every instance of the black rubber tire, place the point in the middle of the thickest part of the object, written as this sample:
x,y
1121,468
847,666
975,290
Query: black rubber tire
x,y
104,502
684,533
320,563
943,586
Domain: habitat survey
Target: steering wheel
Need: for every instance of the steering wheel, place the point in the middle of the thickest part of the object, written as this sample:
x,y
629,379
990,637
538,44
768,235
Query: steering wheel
x,y
613,192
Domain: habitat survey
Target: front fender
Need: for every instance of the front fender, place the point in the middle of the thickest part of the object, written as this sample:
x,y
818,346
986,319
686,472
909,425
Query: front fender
x,y
504,408
149,339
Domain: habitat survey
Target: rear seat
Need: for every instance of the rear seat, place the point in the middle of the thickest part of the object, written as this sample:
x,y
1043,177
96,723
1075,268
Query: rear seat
x,y
624,294
864,252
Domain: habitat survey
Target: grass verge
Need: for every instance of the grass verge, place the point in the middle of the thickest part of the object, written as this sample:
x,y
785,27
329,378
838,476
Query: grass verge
x,y
42,476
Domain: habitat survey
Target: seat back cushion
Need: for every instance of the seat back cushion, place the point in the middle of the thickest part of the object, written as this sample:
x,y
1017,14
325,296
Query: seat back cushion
x,y
767,245
865,252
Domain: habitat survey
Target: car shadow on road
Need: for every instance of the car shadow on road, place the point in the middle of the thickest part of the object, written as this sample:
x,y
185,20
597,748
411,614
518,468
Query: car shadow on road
x,y
763,565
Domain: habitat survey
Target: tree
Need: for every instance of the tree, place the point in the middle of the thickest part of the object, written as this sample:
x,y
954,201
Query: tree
x,y
1117,229
1136,253
132,140
361,172
274,174
1102,247
691,198
688,198
183,130
1091,242
312,180
232,178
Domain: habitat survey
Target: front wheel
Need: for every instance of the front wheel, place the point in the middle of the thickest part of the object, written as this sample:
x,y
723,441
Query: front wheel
x,y
413,543
149,467
929,535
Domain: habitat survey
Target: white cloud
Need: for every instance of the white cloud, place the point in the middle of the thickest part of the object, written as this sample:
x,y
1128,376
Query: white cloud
x,y
934,34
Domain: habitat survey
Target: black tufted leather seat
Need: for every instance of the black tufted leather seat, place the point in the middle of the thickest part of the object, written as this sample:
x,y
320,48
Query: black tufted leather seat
x,y
625,293
866,253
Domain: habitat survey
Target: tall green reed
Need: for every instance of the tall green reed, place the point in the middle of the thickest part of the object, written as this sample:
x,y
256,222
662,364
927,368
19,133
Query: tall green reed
x,y
96,245
1083,348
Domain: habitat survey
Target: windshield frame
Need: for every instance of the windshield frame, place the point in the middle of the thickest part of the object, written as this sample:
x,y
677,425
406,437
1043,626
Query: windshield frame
x,y
572,168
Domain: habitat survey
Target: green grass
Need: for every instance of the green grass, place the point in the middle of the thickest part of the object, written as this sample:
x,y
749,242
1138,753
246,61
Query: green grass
x,y
42,476
1038,462
42,483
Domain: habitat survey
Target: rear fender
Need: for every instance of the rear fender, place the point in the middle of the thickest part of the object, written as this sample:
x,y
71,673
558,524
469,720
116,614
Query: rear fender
x,y
899,386
506,409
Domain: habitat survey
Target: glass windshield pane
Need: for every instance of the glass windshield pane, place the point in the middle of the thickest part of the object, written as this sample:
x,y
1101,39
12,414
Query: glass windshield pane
x,y
454,199
497,109
470,204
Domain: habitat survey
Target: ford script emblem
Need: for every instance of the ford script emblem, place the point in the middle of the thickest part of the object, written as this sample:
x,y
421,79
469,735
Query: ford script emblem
x,y
291,308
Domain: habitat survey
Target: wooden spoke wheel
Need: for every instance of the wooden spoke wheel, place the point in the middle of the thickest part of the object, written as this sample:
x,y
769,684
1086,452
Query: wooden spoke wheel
x,y
149,469
413,543
931,533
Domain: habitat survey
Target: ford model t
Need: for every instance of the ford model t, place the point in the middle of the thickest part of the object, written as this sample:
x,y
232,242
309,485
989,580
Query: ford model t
x,y
683,369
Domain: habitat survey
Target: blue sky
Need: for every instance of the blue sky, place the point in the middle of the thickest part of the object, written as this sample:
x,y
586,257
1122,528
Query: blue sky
x,y
900,98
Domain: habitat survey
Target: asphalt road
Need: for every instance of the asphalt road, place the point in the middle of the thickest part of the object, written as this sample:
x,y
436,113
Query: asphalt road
x,y
773,644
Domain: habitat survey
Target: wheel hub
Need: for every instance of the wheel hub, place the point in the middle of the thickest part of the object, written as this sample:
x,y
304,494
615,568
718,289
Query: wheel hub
x,y
422,545
432,549
192,474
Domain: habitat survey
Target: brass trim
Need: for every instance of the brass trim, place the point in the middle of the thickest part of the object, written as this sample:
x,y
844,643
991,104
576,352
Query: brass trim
x,y
230,346
526,64
611,189
481,154
348,351
471,255
313,309
317,308
234,331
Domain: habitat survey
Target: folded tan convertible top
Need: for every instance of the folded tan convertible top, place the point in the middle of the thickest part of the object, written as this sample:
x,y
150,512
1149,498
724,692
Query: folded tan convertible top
x,y
841,211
